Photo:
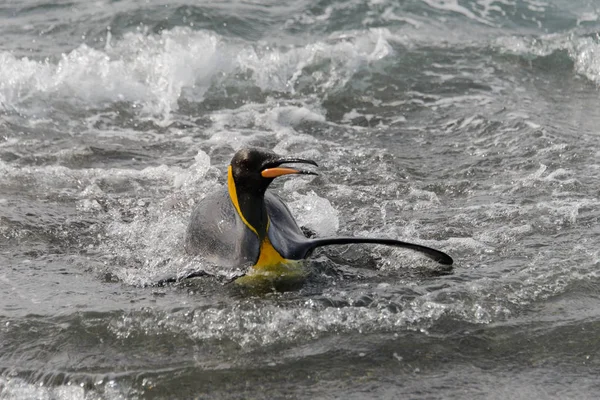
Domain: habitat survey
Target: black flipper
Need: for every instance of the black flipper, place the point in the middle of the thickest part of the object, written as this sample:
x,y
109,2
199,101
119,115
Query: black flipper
x,y
434,254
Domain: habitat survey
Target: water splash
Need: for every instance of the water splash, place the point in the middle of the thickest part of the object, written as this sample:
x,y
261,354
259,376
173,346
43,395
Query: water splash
x,y
153,72
315,213
149,71
583,51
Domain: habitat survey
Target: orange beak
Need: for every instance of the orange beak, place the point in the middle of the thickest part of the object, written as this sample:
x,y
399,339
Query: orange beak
x,y
278,171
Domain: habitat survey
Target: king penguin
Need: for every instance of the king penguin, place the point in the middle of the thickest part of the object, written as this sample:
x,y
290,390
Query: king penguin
x,y
244,224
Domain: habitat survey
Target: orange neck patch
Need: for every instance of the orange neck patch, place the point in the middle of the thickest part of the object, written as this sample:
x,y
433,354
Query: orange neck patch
x,y
234,199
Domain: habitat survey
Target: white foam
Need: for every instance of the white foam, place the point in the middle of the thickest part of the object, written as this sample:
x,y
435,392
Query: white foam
x,y
557,212
253,324
306,141
195,173
280,69
587,17
316,213
480,100
539,46
141,239
561,179
154,71
454,6
584,51
17,388
88,182
293,116
418,199
148,246
150,70
505,234
250,325
467,244
586,54
274,119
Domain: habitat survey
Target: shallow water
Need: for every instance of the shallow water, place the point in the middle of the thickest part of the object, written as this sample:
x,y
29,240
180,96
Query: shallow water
x,y
468,126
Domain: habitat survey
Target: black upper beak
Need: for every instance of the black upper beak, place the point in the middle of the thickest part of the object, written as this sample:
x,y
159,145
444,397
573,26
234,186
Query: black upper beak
x,y
287,160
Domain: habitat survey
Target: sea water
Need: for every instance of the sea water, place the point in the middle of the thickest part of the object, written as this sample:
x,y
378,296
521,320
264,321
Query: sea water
x,y
468,126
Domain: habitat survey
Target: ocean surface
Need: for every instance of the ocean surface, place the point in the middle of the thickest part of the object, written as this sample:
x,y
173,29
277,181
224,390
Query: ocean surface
x,y
471,126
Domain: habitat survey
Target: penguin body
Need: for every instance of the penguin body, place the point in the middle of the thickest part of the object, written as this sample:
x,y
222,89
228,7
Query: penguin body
x,y
243,224
222,237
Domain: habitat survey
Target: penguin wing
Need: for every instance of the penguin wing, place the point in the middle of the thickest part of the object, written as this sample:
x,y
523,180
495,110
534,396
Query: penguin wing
x,y
217,233
284,233
287,237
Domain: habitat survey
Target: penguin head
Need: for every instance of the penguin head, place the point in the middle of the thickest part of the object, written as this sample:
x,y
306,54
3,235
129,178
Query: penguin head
x,y
254,169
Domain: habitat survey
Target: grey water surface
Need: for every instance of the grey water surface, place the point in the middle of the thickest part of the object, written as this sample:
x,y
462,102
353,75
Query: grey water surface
x,y
472,126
